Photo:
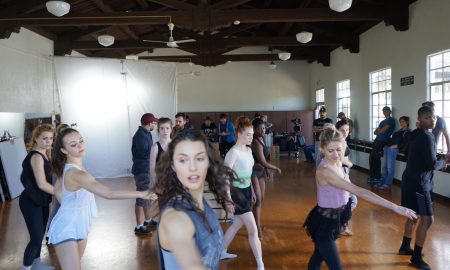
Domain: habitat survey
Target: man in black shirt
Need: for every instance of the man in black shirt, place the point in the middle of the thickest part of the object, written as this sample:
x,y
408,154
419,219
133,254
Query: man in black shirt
x,y
209,129
417,184
318,128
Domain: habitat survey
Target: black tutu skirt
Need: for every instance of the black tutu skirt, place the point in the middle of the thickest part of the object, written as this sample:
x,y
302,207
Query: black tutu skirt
x,y
324,224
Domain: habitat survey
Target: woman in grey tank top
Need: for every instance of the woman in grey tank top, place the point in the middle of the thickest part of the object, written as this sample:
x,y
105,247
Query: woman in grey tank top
x,y
189,234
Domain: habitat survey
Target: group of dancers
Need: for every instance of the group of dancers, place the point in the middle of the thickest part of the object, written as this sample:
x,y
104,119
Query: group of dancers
x,y
189,234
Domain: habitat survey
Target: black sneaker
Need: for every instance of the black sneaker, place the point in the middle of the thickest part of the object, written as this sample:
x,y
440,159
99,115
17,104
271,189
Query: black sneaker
x,y
141,231
150,223
405,251
420,264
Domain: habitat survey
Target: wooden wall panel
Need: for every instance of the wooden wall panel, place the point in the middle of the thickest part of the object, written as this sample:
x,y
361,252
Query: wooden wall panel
x,y
281,120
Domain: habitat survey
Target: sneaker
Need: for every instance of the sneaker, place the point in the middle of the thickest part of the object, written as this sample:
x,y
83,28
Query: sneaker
x,y
373,181
38,265
226,255
150,223
229,220
405,251
384,187
420,264
141,231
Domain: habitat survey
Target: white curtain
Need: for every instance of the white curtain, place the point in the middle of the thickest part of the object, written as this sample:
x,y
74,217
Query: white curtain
x,y
106,98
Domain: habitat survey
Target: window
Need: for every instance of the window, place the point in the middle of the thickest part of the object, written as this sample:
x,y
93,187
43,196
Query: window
x,y
343,97
381,92
320,100
439,88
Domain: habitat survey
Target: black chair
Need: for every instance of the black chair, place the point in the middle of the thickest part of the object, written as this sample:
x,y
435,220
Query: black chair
x,y
297,143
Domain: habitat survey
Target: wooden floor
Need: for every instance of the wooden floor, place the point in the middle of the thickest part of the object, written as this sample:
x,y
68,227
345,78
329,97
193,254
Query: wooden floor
x,y
377,232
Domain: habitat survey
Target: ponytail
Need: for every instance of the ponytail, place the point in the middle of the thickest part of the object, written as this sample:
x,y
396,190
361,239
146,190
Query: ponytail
x,y
59,159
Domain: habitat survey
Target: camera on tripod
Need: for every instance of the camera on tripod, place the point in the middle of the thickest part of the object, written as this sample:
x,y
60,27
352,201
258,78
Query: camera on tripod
x,y
297,124
296,121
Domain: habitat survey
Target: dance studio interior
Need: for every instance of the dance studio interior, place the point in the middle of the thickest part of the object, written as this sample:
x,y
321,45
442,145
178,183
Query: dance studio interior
x,y
99,66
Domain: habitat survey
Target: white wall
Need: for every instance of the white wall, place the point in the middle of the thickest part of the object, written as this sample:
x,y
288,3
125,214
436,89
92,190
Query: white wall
x,y
27,78
381,46
242,86
405,53
246,86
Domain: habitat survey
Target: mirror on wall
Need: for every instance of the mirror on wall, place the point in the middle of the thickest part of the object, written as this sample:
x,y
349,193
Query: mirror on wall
x,y
22,124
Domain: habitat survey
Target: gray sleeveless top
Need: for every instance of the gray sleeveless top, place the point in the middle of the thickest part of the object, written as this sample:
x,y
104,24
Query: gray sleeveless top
x,y
208,238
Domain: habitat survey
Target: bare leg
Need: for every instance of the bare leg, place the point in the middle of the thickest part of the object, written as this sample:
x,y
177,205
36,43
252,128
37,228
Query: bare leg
x,y
139,211
422,229
409,227
148,211
257,206
249,221
82,247
255,243
68,255
232,230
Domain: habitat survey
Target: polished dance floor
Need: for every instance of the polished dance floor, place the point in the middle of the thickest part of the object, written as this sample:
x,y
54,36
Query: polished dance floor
x,y
289,197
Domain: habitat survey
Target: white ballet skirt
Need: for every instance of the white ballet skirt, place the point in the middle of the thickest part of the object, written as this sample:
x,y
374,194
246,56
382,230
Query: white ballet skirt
x,y
73,219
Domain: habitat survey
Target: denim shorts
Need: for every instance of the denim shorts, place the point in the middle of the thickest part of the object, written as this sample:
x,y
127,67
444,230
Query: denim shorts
x,y
142,184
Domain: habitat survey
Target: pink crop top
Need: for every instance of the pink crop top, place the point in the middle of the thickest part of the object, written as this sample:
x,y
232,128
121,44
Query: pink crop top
x,y
329,196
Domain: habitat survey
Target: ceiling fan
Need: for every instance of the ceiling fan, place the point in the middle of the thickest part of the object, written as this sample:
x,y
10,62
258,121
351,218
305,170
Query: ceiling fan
x,y
172,43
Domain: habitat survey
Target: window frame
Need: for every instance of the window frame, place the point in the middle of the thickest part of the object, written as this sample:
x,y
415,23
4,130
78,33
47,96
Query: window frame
x,y
380,96
343,95
320,100
433,85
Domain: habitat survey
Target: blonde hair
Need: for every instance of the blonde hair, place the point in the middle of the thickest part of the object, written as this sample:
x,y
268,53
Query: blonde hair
x,y
37,132
329,134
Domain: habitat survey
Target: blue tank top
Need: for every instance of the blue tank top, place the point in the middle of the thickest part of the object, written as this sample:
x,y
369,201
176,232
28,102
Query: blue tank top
x,y
208,237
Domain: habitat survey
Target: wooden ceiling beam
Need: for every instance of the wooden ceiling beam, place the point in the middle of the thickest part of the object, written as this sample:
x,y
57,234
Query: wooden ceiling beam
x,y
207,44
201,19
235,29
216,59
77,34
288,26
125,28
174,4
118,45
143,4
397,14
224,4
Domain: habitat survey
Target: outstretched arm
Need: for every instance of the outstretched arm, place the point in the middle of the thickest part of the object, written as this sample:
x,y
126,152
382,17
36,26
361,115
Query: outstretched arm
x,y
82,179
331,177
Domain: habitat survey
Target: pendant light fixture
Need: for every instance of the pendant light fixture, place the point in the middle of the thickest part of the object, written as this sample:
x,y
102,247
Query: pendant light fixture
x,y
340,5
105,40
304,36
284,55
272,65
58,8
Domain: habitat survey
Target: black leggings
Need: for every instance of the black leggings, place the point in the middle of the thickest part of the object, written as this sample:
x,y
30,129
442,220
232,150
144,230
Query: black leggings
x,y
325,251
36,218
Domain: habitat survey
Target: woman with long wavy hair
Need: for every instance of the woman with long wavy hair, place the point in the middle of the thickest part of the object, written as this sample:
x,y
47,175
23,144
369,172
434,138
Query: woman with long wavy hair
x,y
189,234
